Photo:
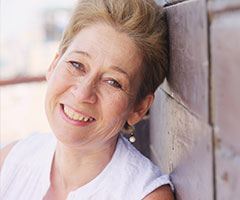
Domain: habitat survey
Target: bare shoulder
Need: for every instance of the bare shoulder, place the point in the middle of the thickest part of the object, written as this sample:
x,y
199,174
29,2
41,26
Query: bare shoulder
x,y
4,152
161,193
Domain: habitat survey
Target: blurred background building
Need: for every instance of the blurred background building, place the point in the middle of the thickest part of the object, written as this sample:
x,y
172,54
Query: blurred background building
x,y
30,33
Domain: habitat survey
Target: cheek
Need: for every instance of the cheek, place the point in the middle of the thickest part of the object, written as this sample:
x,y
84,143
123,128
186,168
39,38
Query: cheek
x,y
57,83
56,86
115,112
117,106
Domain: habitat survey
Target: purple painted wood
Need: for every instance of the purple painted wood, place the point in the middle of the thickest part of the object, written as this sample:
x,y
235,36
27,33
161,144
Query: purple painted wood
x,y
188,75
225,54
181,143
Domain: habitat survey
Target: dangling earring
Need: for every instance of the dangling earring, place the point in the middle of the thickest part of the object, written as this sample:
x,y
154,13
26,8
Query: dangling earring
x,y
132,138
128,131
131,130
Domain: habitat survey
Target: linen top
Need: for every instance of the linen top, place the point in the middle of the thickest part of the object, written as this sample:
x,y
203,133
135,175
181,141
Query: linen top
x,y
25,174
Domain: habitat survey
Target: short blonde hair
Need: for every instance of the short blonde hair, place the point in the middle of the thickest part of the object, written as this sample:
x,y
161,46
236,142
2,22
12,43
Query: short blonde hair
x,y
142,20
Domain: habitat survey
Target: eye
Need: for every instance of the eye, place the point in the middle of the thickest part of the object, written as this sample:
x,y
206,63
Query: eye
x,y
114,83
77,65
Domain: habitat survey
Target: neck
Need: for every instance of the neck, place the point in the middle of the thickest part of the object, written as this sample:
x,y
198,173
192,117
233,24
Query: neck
x,y
75,167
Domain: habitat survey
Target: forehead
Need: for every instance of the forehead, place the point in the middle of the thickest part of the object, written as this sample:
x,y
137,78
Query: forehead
x,y
107,46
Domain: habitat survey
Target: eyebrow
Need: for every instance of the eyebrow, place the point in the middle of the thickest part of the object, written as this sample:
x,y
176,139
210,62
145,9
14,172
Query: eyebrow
x,y
84,53
116,68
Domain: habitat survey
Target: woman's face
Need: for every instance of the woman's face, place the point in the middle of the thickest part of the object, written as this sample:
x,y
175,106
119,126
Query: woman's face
x,y
92,86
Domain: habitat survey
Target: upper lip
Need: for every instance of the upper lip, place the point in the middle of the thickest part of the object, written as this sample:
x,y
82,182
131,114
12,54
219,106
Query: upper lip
x,y
77,111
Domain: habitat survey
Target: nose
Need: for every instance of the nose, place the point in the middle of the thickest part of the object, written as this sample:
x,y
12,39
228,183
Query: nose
x,y
84,92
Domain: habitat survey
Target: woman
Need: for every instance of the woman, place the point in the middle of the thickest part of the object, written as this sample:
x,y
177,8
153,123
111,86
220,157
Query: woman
x,y
111,59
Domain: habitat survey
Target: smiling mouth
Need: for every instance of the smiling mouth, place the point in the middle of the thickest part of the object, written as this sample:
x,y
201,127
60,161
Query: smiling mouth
x,y
73,115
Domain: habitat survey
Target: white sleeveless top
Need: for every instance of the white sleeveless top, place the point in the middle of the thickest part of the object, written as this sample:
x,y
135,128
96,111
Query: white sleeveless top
x,y
25,174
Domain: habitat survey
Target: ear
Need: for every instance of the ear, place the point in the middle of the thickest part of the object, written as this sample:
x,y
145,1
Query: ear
x,y
140,110
52,66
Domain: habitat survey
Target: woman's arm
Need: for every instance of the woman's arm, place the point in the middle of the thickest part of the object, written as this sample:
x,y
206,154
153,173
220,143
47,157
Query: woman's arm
x,y
161,193
4,152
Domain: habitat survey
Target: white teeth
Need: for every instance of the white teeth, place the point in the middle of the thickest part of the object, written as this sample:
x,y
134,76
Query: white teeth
x,y
75,116
80,118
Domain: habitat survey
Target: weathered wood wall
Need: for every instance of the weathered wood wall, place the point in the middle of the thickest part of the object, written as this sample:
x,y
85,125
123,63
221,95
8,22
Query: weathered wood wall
x,y
225,84
195,120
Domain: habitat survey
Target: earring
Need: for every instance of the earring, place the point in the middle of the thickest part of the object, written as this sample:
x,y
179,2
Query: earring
x,y
132,138
131,130
128,131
